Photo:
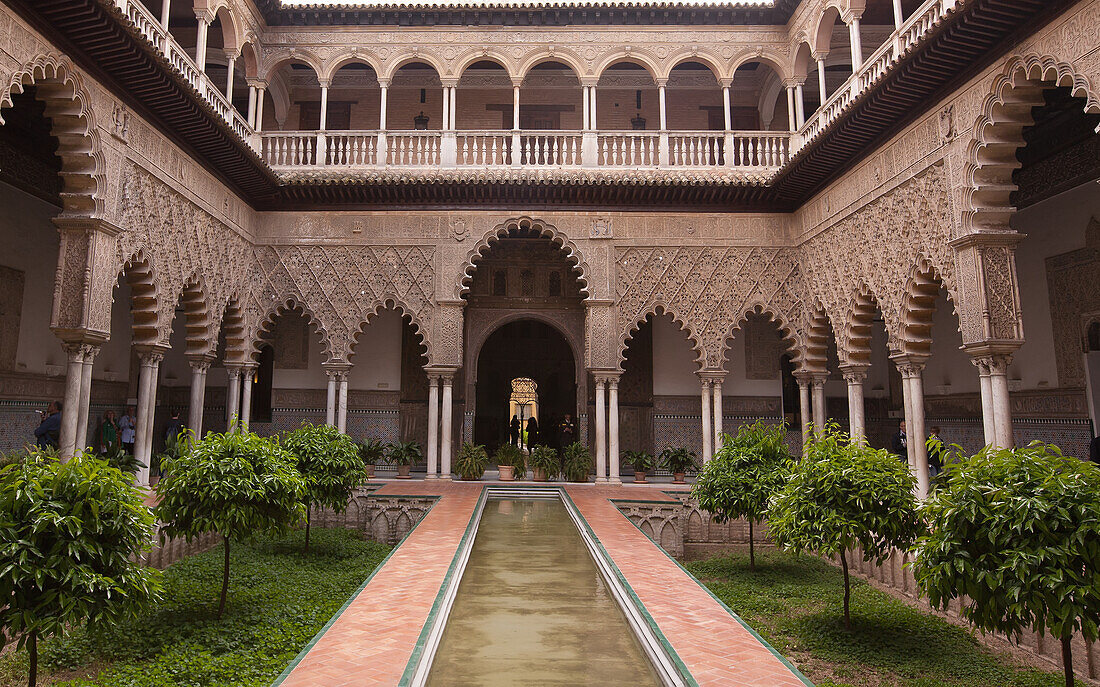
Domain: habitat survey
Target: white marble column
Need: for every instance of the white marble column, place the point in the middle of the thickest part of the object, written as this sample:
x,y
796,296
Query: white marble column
x,y
1002,405
989,425
384,87
147,403
246,396
259,124
330,399
232,59
200,38
857,44
515,107
232,396
84,409
601,427
792,122
342,397
165,13
433,426
252,106
448,416
663,118
899,15
200,365
613,430
912,371
727,117
821,415
324,105
586,123
821,80
799,105
804,409
708,419
70,410
716,406
855,375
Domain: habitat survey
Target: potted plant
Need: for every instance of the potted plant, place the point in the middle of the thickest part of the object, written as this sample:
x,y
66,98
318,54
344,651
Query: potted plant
x,y
510,462
643,462
404,454
577,462
471,461
371,451
677,461
544,463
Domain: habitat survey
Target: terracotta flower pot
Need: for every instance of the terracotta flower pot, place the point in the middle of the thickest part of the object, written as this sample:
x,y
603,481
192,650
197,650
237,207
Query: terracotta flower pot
x,y
639,478
507,473
403,471
678,478
370,470
539,475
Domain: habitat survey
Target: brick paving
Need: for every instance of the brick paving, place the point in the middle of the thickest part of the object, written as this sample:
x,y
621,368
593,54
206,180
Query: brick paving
x,y
371,642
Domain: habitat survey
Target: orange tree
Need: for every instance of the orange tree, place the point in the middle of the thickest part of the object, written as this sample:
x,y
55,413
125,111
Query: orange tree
x,y
329,463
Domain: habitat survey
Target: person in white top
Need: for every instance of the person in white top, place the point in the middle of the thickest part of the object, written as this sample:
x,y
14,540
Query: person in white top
x,y
126,425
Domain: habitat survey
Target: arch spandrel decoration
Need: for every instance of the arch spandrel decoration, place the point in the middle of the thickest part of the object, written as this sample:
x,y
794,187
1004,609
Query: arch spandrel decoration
x,y
344,286
708,290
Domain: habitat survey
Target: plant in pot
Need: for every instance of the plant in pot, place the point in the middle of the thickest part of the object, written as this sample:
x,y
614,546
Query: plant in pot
x,y
471,461
577,462
643,462
677,461
371,451
544,463
510,462
404,454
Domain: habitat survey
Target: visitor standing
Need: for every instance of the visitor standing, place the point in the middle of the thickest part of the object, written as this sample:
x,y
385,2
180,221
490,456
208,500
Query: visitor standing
x,y
106,434
567,430
935,453
513,431
532,431
175,426
127,424
899,444
48,432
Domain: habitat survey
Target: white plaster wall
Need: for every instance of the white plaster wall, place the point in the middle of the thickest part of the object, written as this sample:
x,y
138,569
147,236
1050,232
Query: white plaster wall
x,y
736,384
113,361
30,243
674,363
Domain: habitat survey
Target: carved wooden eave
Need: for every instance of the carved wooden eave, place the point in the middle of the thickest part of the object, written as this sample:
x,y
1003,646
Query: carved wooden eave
x,y
977,32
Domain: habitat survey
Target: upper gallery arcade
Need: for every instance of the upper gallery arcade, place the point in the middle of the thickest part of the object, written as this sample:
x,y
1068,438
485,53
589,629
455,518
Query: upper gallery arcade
x,y
688,215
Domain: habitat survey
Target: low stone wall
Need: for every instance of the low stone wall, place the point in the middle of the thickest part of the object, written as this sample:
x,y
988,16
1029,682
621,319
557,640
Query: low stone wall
x,y
894,573
165,553
385,519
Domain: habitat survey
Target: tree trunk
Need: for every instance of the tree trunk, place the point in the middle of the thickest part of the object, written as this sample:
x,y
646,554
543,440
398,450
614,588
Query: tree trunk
x,y
1067,659
32,658
847,589
225,579
308,513
752,549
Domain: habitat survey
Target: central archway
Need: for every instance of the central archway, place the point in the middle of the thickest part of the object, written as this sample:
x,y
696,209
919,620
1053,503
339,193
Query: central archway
x,y
524,348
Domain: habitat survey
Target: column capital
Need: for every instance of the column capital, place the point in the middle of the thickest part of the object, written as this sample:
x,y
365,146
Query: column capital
x,y
992,357
850,15
803,377
256,83
794,82
711,376
383,83
591,81
517,81
449,81
820,56
605,376
151,354
200,362
661,82
854,373
726,83
909,365
90,224
232,54
204,14
324,83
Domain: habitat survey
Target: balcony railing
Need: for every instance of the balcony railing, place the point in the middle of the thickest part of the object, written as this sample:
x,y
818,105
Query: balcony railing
x,y
739,150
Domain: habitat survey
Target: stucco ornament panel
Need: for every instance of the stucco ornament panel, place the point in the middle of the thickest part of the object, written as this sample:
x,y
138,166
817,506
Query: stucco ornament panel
x,y
342,287
182,245
877,246
708,291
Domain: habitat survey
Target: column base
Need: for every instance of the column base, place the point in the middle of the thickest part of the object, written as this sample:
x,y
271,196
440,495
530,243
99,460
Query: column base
x,y
601,480
614,480
431,476
446,477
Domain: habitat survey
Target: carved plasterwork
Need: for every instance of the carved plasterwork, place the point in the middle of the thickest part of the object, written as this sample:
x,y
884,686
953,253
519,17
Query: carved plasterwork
x,y
1074,304
341,287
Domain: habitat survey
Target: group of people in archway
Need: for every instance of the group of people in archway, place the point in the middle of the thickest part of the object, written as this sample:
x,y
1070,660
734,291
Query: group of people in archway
x,y
527,436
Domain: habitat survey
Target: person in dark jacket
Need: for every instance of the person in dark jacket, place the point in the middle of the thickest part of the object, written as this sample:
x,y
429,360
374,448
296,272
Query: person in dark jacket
x,y
935,453
513,431
48,432
532,431
900,441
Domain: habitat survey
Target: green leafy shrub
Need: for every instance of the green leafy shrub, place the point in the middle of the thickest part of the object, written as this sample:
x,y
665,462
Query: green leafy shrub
x,y
545,459
843,495
678,460
71,533
743,476
577,462
329,463
641,461
404,453
372,451
471,461
510,454
236,485
1016,535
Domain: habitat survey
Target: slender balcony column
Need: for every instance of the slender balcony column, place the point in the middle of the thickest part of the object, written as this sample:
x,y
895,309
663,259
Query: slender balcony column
x,y
727,117
912,377
324,104
821,79
330,399
85,407
613,429
589,140
857,44
454,108
232,398
592,107
247,382
799,105
229,78
342,415
381,146
205,20
662,141
165,12
260,107
791,115
516,145
200,364
601,429
817,389
448,416
586,118
433,425
661,83
515,106
448,141
150,359
899,16
445,124
855,375
708,419
252,106
322,143
804,410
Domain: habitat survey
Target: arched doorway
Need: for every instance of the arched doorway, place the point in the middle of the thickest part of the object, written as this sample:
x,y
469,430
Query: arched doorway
x,y
523,349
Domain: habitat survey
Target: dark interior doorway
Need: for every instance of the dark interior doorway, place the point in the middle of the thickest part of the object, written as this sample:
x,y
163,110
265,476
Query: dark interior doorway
x,y
525,348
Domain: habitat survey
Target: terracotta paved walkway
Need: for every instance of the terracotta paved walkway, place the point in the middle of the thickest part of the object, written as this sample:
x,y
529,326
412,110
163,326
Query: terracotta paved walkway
x,y
371,642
